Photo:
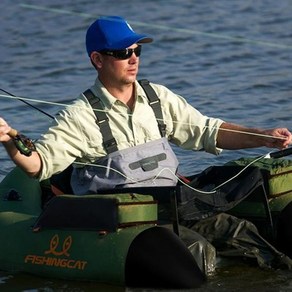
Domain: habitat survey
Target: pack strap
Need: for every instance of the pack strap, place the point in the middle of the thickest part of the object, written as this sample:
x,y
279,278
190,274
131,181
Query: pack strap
x,y
109,142
154,102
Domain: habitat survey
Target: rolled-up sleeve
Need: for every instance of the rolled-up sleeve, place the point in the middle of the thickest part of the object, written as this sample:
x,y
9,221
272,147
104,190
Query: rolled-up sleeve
x,y
186,126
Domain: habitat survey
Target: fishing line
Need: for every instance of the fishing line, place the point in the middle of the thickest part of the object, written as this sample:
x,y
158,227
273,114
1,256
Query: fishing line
x,y
107,168
25,100
164,169
163,27
213,191
222,184
247,133
152,180
240,172
27,103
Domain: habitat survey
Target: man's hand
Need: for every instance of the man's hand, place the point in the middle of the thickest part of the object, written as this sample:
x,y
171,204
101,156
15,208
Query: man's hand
x,y
283,138
30,164
232,136
4,130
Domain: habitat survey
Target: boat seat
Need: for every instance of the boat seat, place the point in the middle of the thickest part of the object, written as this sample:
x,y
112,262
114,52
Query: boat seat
x,y
105,213
181,203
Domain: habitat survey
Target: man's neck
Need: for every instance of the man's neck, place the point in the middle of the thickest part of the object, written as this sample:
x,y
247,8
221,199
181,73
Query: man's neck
x,y
124,93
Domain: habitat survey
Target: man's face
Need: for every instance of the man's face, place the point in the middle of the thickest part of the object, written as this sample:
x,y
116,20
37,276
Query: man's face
x,y
118,67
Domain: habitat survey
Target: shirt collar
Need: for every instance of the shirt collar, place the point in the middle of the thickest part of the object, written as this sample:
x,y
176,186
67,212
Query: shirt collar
x,y
100,91
109,100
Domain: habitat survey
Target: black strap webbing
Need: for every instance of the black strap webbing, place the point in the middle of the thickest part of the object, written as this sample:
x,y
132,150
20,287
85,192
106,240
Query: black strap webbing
x,y
109,141
154,102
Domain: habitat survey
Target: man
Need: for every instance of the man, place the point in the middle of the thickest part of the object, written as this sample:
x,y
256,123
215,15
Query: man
x,y
128,146
114,50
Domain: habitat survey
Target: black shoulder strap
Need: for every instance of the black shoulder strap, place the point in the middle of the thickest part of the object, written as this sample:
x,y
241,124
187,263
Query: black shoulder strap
x,y
154,102
109,142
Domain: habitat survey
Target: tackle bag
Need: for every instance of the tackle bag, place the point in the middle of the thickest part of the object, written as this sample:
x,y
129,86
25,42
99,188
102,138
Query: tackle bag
x,y
277,174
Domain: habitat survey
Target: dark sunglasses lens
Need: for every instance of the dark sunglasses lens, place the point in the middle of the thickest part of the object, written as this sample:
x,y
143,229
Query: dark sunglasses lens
x,y
127,53
138,51
122,54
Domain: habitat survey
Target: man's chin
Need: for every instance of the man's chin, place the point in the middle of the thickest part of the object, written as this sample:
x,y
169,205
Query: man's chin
x,y
130,80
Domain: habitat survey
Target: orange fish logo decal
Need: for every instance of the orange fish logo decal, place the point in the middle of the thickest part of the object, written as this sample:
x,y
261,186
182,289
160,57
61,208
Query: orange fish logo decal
x,y
55,243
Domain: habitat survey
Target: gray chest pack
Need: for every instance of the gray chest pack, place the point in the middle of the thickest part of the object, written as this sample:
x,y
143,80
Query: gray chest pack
x,y
150,164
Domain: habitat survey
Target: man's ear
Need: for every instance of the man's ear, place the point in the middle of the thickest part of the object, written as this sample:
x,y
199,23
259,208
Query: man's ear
x,y
96,59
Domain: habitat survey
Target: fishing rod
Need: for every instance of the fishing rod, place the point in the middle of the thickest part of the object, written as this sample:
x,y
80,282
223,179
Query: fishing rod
x,y
24,144
29,104
280,153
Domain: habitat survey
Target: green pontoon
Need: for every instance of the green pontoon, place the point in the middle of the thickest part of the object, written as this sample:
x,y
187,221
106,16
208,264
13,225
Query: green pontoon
x,y
122,239
110,238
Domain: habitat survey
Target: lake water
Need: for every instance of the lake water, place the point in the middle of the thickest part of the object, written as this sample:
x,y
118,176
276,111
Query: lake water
x,y
230,59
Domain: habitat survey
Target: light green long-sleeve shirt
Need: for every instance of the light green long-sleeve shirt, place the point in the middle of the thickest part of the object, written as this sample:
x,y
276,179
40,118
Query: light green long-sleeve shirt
x,y
74,135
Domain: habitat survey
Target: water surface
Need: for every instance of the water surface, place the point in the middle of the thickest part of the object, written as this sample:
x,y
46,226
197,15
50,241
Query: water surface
x,y
230,59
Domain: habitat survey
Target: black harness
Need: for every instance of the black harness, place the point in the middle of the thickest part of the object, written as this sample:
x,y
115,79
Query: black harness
x,y
109,142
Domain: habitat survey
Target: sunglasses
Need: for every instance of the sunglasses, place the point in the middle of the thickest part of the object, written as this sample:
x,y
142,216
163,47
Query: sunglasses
x,y
123,54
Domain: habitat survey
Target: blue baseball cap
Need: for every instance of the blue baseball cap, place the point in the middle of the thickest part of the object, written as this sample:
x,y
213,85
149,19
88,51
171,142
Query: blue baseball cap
x,y
112,33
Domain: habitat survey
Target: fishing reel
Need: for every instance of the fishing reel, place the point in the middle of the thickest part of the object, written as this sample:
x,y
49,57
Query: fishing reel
x,y
24,145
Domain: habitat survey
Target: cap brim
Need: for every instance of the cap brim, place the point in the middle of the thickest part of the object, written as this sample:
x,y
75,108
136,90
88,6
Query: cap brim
x,y
125,43
145,39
